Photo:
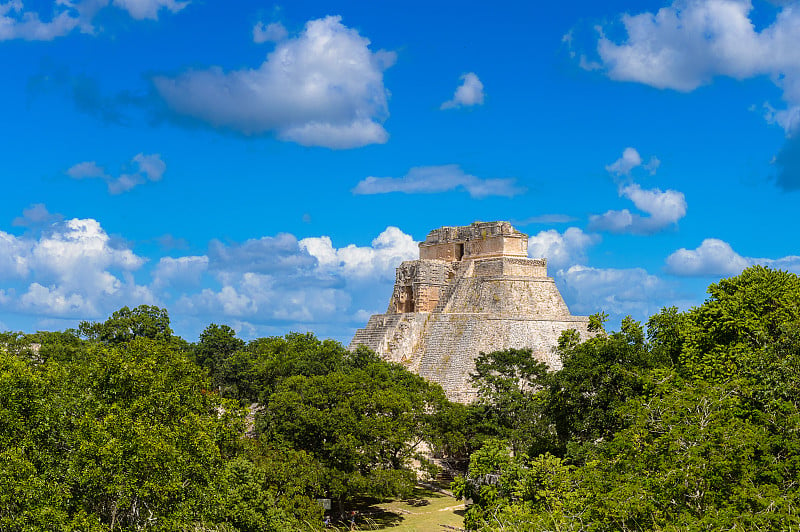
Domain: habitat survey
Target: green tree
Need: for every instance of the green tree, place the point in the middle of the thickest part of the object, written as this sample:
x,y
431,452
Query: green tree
x,y
251,374
124,325
598,376
508,384
665,335
126,436
743,314
362,424
482,484
456,430
696,428
217,345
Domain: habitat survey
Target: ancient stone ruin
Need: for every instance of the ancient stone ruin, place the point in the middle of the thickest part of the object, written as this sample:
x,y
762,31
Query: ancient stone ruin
x,y
473,289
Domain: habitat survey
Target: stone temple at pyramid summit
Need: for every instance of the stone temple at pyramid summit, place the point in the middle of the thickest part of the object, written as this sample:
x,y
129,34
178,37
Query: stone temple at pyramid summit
x,y
473,289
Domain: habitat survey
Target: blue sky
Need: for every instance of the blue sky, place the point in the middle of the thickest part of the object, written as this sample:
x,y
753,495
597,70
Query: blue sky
x,y
268,165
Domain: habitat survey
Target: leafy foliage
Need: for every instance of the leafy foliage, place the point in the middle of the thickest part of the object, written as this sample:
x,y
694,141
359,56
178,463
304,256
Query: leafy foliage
x,y
725,336
507,383
362,423
125,325
123,432
690,424
693,426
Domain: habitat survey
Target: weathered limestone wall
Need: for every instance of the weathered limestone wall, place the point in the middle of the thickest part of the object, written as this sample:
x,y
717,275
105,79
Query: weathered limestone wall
x,y
481,239
444,312
457,340
419,285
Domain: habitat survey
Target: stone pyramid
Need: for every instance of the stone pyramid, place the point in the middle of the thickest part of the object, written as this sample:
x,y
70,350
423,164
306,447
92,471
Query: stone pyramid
x,y
473,289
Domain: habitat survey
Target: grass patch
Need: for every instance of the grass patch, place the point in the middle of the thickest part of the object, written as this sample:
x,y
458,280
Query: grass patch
x,y
425,511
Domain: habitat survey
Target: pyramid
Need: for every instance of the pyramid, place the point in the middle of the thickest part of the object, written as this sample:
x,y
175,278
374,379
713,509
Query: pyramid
x,y
473,290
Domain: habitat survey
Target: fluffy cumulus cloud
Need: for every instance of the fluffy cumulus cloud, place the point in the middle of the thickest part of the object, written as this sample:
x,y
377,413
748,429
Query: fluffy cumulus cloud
x,y
561,249
586,289
690,42
72,269
716,257
181,271
75,270
433,179
282,279
468,94
377,261
144,168
261,298
321,88
14,255
619,292
63,16
664,208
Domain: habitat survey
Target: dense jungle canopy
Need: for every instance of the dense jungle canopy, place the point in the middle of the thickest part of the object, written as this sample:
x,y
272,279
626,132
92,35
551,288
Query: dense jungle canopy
x,y
688,422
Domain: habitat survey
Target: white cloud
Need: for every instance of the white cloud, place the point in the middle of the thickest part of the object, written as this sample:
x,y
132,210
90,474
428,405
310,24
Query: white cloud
x,y
273,32
278,254
86,170
74,269
789,263
715,257
788,119
77,253
55,301
469,93
356,133
149,168
280,278
433,179
321,88
148,9
664,209
379,260
561,249
619,292
14,255
690,42
18,23
181,271
227,301
712,257
36,215
629,160
262,298
170,242
652,165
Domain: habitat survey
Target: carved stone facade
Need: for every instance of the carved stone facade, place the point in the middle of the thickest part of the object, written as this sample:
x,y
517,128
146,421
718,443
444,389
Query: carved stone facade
x,y
479,240
473,289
